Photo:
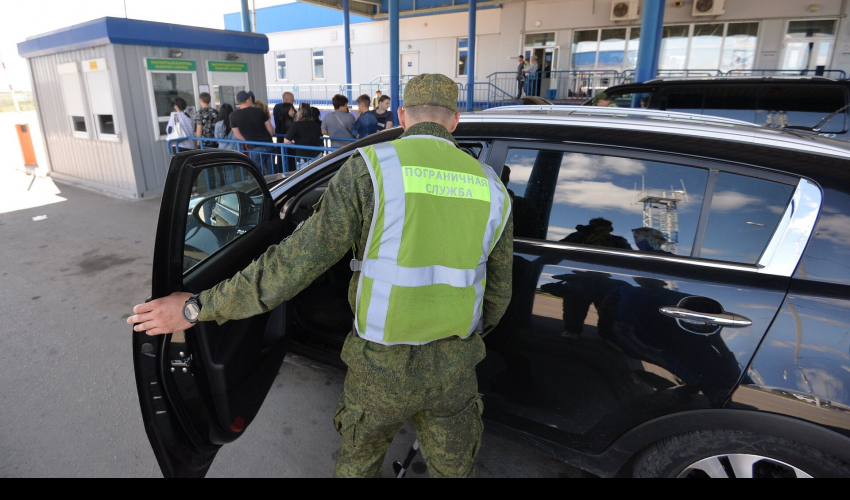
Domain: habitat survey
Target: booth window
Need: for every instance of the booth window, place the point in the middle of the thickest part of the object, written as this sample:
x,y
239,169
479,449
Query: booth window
x,y
226,85
462,56
72,94
166,86
101,100
280,60
318,65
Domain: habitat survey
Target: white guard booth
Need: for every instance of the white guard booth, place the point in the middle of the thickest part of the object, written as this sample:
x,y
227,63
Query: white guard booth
x,y
104,91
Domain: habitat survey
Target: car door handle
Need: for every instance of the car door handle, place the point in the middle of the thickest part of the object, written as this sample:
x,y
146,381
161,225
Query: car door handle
x,y
727,320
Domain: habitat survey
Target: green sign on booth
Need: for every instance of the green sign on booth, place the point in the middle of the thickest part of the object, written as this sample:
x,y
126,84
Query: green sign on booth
x,y
228,66
171,65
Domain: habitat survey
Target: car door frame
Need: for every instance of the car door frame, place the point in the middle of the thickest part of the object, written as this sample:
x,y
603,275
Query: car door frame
x,y
175,408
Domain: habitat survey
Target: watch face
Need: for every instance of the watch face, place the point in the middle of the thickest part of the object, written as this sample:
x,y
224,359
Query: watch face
x,y
192,311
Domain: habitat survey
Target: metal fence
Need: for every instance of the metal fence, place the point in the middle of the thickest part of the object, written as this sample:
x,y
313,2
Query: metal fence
x,y
504,88
272,158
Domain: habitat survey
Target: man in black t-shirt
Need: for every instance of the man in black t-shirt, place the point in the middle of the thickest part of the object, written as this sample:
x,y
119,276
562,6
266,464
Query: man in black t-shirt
x,y
386,119
252,124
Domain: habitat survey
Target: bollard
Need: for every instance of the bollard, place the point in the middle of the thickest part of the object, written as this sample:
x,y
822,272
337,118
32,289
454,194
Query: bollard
x,y
27,150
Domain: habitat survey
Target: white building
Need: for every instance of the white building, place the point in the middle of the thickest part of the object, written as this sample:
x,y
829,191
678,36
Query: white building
x,y
569,35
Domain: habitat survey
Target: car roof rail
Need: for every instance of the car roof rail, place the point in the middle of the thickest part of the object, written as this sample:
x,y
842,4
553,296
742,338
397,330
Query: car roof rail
x,y
727,78
621,112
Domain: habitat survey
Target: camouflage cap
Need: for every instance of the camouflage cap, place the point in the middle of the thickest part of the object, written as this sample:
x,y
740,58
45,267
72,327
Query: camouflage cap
x,y
431,90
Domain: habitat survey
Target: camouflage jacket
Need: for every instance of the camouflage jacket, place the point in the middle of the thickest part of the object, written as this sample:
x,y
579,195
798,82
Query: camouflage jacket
x,y
341,221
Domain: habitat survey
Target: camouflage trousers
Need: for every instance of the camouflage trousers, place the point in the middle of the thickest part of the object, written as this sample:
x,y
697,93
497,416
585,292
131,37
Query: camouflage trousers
x,y
435,385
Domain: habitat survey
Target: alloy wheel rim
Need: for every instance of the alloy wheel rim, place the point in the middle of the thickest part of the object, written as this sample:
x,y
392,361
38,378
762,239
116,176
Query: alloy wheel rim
x,y
732,466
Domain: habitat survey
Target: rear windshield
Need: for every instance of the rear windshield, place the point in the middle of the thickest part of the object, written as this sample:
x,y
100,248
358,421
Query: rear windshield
x,y
774,106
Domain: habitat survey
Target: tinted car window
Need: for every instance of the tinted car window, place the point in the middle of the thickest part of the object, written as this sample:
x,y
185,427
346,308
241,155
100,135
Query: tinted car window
x,y
827,257
744,214
684,100
737,103
604,201
803,105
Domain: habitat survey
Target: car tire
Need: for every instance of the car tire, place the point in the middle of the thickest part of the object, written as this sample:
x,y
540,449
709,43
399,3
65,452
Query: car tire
x,y
678,455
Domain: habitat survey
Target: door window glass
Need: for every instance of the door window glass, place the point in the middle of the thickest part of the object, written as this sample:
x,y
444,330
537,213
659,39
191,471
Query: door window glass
x,y
280,58
226,203
811,29
540,40
318,64
604,201
462,55
744,214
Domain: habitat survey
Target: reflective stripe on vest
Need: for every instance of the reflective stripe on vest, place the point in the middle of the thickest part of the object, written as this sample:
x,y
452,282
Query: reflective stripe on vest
x,y
457,201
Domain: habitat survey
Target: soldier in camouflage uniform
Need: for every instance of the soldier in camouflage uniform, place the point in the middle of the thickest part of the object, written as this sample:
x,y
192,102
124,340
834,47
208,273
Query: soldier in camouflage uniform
x,y
434,384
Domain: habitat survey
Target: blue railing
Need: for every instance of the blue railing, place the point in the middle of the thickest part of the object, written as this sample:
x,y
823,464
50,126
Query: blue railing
x,y
272,158
503,88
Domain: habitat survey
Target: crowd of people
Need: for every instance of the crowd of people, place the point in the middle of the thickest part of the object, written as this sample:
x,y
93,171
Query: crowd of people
x,y
252,121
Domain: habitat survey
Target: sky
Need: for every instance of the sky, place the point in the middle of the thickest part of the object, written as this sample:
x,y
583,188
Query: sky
x,y
21,19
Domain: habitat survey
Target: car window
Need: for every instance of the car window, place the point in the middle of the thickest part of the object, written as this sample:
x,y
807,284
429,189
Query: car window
x,y
226,202
744,214
804,106
683,100
728,101
604,201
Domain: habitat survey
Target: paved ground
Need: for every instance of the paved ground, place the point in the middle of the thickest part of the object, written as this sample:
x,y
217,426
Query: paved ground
x,y
68,404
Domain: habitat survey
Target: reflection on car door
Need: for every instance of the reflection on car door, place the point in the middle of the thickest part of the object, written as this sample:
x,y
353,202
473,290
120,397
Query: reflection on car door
x,y
200,389
614,255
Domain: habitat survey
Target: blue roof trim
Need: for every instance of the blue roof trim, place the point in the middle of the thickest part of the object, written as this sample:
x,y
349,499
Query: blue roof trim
x,y
133,32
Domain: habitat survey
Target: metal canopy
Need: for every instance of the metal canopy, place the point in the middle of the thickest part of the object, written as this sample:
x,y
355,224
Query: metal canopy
x,y
379,9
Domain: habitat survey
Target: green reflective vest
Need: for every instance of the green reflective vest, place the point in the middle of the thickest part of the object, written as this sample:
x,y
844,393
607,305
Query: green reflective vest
x,y
438,215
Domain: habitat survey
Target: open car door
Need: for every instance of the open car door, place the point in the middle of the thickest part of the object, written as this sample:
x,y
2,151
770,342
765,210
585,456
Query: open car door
x,y
201,389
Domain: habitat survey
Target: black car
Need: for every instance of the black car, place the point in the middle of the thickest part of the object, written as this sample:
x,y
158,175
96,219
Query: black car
x,y
681,296
816,104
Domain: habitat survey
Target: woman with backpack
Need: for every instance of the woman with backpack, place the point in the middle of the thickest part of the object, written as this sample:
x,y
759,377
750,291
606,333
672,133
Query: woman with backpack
x,y
180,125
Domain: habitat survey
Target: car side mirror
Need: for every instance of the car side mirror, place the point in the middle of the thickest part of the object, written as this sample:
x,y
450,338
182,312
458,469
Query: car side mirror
x,y
222,210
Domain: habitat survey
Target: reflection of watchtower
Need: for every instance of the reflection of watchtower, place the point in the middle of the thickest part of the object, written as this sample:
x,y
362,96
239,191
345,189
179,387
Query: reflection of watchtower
x,y
661,211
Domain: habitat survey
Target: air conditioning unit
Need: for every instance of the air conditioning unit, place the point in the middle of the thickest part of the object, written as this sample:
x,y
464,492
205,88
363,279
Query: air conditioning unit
x,y
704,8
625,10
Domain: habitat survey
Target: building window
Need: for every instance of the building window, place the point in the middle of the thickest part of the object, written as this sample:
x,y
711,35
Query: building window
x,y
462,56
165,87
72,94
739,47
585,49
280,60
612,49
101,101
318,65
715,46
540,40
674,47
811,29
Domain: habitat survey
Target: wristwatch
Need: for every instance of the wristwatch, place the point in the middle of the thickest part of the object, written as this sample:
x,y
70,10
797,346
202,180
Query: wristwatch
x,y
192,309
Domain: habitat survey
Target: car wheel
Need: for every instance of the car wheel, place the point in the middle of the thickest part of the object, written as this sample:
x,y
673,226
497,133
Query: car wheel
x,y
734,454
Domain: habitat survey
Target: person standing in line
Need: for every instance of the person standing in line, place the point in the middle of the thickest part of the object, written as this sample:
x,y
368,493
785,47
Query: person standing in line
x,y
305,132
181,117
386,119
405,360
339,123
223,129
205,121
367,123
533,78
250,123
376,99
262,105
520,76
317,115
281,114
